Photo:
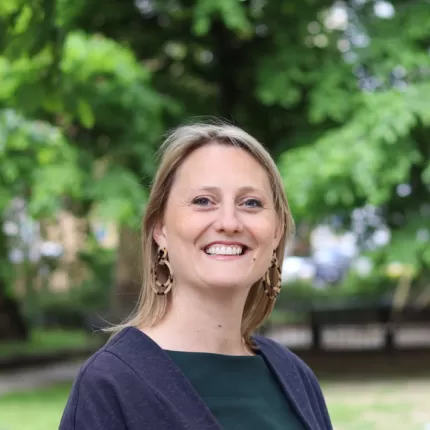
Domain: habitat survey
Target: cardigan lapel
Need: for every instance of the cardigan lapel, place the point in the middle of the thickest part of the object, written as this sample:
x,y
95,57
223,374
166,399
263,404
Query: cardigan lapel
x,y
159,371
288,376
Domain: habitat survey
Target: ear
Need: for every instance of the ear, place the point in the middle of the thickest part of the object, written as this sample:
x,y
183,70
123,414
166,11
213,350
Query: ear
x,y
278,235
159,234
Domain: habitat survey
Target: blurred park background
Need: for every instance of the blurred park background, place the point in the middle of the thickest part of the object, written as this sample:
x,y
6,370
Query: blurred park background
x,y
339,92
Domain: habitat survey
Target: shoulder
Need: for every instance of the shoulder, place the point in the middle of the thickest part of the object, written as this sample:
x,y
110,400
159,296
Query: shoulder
x,y
100,390
107,373
102,366
106,362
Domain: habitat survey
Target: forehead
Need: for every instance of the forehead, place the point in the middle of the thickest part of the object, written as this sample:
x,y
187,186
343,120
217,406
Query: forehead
x,y
221,164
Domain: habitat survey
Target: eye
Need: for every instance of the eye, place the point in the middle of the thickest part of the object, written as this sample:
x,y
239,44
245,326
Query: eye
x,y
253,203
201,201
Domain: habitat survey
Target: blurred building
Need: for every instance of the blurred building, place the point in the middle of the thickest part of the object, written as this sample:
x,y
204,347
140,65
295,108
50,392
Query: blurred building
x,y
46,254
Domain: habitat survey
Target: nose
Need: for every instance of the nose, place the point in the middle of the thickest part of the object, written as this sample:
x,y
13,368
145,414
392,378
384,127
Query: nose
x,y
228,221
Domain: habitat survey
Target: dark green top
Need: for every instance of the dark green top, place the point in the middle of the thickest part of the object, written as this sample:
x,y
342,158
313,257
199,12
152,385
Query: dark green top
x,y
241,391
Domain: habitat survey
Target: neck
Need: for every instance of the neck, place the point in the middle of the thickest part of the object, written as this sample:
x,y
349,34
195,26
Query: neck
x,y
198,323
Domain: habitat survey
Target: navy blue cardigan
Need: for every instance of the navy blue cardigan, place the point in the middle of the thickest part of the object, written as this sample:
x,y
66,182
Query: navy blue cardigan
x,y
131,383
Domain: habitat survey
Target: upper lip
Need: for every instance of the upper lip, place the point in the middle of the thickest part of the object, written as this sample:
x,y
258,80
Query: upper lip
x,y
226,242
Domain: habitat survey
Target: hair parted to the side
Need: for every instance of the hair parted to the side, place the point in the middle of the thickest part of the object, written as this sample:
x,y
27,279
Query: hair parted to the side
x,y
180,143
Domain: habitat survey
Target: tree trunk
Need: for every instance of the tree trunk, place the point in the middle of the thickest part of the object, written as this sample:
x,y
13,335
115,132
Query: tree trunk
x,y
128,274
12,324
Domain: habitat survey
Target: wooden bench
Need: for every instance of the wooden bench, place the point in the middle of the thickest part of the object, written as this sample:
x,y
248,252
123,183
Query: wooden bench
x,y
381,314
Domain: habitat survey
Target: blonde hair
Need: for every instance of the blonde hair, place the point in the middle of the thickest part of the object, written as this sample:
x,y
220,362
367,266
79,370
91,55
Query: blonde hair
x,y
179,144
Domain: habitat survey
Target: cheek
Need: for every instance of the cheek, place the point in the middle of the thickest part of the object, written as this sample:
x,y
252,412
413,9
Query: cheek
x,y
183,228
262,263
264,231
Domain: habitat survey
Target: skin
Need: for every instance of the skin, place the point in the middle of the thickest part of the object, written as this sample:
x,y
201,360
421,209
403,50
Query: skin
x,y
220,194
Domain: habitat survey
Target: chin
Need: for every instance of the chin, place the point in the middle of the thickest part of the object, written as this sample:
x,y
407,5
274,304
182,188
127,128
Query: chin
x,y
228,284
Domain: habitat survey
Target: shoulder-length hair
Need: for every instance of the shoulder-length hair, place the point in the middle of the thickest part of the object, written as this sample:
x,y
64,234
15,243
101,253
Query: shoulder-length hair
x,y
179,144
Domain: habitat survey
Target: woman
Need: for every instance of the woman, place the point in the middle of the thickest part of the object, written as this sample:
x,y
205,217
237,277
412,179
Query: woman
x,y
214,232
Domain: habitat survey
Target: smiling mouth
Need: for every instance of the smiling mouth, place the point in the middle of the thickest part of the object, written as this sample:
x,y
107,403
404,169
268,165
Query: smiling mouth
x,y
226,250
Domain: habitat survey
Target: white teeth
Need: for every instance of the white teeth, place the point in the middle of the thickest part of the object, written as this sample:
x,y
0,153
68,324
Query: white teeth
x,y
224,250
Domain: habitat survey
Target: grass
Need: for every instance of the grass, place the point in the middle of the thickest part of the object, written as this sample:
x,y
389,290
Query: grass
x,y
33,410
46,341
354,405
379,405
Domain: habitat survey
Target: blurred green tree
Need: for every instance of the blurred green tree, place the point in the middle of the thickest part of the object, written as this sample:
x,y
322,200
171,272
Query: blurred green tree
x,y
104,116
36,165
335,90
379,153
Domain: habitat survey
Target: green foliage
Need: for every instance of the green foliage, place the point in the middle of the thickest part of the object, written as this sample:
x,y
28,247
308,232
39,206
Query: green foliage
x,y
118,195
380,140
48,341
101,86
36,162
408,247
343,107
82,306
364,159
231,12
353,288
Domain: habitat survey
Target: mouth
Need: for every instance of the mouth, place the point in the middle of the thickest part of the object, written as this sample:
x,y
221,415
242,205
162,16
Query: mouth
x,y
225,250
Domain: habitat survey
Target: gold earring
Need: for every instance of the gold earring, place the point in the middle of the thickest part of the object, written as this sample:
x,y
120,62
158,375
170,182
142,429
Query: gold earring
x,y
272,292
158,287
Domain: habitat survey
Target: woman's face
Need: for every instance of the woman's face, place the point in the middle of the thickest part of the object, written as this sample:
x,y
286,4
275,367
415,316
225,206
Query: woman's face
x,y
220,226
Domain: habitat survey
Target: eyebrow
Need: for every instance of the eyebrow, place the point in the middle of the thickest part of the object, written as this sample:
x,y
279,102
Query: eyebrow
x,y
244,189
